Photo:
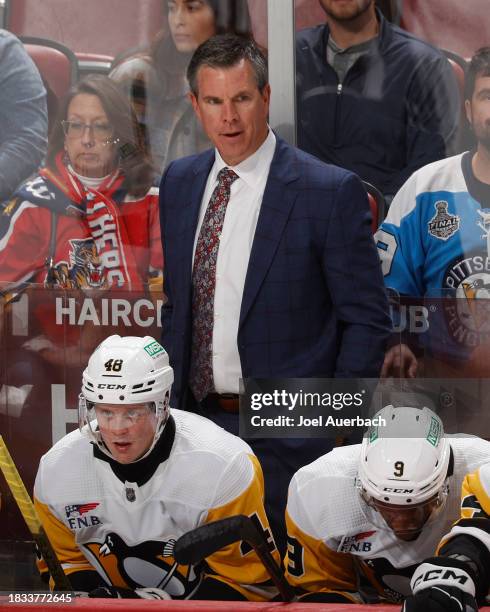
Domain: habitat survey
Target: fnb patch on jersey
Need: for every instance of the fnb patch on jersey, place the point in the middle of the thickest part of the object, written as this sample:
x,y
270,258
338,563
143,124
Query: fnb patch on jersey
x,y
79,509
356,543
154,348
443,225
75,515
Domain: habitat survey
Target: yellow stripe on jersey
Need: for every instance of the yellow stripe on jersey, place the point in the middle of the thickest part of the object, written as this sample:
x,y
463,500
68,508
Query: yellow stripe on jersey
x,y
63,542
475,491
314,568
237,563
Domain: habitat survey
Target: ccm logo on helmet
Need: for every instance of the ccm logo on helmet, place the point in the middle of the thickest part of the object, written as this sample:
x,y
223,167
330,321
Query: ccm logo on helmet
x,y
442,573
107,386
390,490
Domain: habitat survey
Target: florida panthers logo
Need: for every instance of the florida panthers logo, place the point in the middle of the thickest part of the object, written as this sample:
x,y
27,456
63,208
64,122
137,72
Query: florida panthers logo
x,y
84,270
147,564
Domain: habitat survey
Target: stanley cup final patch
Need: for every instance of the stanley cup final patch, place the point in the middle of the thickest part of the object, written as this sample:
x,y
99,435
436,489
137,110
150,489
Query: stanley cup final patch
x,y
443,225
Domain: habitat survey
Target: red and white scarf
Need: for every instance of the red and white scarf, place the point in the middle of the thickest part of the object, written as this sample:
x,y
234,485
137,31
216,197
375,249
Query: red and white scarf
x,y
104,220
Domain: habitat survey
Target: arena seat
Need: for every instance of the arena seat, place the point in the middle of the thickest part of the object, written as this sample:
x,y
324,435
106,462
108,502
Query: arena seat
x,y
465,139
56,63
88,63
58,67
459,26
459,65
377,203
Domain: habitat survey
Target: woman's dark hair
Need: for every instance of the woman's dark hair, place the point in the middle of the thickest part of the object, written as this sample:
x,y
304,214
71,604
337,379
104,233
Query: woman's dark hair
x,y
133,156
231,17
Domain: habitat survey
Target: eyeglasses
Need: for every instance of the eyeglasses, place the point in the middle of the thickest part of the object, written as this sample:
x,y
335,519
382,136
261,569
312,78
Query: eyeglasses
x,y
76,129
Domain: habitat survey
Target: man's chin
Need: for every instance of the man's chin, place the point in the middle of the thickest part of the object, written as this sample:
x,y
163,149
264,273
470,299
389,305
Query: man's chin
x,y
348,13
484,142
408,536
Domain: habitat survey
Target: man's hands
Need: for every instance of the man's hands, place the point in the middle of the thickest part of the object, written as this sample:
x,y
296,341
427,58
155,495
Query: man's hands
x,y
440,599
399,362
441,584
112,592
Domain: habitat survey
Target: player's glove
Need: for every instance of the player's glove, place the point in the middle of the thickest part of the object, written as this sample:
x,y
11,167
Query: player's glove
x,y
118,593
442,584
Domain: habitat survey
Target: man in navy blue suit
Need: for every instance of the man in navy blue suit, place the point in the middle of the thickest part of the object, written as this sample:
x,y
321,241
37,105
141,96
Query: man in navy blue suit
x,y
270,267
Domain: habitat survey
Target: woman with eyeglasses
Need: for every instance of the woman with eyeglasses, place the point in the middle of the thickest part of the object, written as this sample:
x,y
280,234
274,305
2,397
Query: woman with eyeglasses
x,y
154,79
89,219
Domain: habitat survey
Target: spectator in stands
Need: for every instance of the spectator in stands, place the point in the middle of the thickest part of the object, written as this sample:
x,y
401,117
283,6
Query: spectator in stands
x,y
23,118
140,475
362,517
371,97
435,240
96,170
155,80
89,219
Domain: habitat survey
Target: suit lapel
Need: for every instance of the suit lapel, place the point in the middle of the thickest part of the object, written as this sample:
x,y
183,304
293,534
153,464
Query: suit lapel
x,y
190,216
276,206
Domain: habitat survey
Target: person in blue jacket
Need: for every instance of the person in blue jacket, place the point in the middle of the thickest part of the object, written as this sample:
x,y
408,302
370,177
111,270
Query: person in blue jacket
x,y
371,97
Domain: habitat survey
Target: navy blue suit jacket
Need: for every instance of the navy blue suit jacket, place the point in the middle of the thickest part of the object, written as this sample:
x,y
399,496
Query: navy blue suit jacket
x,y
314,303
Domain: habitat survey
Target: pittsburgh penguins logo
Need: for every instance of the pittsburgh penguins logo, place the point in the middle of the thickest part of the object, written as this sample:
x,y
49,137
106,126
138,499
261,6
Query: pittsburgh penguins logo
x,y
148,564
468,316
394,582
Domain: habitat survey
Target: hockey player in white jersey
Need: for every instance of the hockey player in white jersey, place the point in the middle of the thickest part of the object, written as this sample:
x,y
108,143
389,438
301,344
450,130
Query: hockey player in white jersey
x,y
361,518
115,495
460,574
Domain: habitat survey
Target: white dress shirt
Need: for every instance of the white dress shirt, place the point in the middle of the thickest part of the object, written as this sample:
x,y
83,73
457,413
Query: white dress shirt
x,y
242,213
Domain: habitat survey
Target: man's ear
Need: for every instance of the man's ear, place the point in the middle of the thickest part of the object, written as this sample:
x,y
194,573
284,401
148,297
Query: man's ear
x,y
467,109
266,94
195,104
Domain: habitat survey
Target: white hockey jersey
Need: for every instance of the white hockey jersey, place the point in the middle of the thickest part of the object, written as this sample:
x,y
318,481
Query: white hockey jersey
x,y
333,547
127,532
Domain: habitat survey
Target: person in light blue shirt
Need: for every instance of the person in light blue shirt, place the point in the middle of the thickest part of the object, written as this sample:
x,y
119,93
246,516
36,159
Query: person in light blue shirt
x,y
23,115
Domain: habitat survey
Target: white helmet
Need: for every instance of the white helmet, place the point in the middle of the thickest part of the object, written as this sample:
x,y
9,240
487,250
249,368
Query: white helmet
x,y
406,461
126,370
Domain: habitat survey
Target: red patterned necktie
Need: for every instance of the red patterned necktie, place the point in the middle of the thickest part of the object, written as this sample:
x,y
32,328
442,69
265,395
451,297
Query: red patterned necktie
x,y
204,282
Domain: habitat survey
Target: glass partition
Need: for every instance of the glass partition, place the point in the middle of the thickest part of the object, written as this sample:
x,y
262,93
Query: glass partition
x,y
58,302
47,337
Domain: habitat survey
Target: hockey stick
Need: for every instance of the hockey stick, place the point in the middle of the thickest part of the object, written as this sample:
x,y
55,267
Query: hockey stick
x,y
26,507
195,545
